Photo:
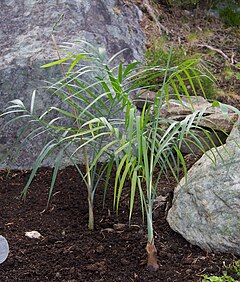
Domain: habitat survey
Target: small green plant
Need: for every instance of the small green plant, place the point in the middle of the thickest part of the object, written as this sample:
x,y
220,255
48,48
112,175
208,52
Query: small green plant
x,y
232,270
230,16
223,278
229,73
228,11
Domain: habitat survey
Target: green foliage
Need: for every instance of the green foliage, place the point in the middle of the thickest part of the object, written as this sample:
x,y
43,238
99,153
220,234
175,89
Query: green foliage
x,y
152,143
224,278
158,54
230,16
233,269
229,11
197,79
98,119
230,73
91,96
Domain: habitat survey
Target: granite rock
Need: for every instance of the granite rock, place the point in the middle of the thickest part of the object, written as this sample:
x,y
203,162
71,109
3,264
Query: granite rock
x,y
26,44
206,208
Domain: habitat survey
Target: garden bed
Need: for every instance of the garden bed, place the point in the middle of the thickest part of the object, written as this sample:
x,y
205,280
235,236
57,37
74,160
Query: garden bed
x,y
114,251
68,251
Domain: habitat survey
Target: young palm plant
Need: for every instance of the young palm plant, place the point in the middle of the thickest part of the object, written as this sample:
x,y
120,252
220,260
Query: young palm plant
x,y
87,127
153,146
91,97
99,120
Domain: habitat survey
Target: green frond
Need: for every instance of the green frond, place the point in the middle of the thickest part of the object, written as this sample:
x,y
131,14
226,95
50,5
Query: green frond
x,y
46,151
58,62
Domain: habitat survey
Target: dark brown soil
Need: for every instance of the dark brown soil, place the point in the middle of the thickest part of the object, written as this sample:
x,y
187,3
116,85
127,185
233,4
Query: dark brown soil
x,y
68,251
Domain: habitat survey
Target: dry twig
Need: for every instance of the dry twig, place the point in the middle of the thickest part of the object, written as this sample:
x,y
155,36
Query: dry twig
x,y
231,60
150,11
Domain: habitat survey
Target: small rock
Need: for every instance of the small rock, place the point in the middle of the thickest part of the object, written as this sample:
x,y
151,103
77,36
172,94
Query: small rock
x,y
33,235
124,261
58,275
100,249
109,230
120,227
98,266
144,96
160,201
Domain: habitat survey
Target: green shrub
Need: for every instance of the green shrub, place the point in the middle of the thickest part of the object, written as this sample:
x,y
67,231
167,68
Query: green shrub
x,y
229,11
230,16
203,82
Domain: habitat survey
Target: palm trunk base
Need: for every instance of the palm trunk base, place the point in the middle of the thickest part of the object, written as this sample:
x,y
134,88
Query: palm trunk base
x,y
90,216
152,264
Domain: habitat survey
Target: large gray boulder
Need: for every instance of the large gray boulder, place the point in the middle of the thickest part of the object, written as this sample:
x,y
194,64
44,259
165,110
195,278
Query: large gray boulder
x,y
206,209
26,44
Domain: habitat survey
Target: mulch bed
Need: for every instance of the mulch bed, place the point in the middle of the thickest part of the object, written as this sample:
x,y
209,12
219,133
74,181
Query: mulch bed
x,y
68,251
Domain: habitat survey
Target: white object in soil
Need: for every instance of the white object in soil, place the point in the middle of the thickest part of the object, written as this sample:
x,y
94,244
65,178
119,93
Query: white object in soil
x,y
4,249
33,235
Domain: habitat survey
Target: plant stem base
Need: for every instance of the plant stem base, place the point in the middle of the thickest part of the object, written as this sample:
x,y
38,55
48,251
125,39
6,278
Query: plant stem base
x,y
152,263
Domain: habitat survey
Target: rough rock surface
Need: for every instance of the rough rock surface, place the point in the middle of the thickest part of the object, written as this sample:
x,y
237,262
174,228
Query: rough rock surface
x,y
176,110
206,209
213,117
26,44
212,120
